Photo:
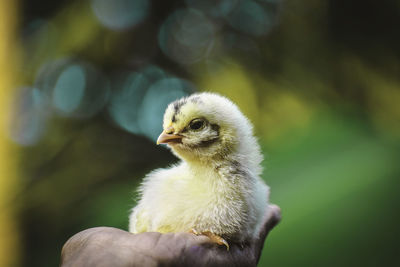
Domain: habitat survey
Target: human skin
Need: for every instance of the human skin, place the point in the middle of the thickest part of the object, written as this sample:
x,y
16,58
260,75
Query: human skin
x,y
107,246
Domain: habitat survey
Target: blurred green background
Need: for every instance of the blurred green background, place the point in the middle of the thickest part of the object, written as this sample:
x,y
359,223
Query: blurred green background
x,y
85,83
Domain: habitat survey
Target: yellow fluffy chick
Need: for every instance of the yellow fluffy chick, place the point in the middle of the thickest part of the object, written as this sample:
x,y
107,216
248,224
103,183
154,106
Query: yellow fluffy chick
x,y
215,189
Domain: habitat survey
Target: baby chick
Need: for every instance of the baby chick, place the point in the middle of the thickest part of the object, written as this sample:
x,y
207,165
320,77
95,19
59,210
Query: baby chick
x,y
215,189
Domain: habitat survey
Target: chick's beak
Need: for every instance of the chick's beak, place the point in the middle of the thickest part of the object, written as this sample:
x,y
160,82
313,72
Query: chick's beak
x,y
167,136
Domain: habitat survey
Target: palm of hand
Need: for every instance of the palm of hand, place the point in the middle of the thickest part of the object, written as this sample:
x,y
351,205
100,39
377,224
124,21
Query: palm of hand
x,y
106,246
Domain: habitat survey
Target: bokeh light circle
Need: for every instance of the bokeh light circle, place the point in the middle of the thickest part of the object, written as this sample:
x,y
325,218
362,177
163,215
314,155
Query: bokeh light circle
x,y
69,89
138,102
126,101
28,117
73,88
120,14
214,8
251,18
186,36
159,95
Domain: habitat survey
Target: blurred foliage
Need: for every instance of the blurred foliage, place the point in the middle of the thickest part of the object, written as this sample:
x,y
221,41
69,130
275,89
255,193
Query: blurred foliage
x,y
319,80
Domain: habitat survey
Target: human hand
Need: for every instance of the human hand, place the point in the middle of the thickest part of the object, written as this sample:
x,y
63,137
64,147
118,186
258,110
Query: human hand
x,y
106,246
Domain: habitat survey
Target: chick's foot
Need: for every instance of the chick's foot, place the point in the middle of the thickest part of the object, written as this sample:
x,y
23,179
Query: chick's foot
x,y
213,237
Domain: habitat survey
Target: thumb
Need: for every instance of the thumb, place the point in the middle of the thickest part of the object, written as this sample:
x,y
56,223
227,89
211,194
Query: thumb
x,y
272,217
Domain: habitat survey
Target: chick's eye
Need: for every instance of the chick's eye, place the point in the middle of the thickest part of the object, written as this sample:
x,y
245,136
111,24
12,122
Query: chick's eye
x,y
196,124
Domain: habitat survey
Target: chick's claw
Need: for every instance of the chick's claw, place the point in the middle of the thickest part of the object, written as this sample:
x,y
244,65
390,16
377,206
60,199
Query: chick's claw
x,y
213,237
193,231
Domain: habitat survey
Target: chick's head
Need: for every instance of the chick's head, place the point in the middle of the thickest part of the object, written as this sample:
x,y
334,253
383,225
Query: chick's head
x,y
204,127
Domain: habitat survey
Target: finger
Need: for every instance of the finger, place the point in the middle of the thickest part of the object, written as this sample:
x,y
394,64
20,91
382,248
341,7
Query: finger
x,y
72,249
271,219
105,246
